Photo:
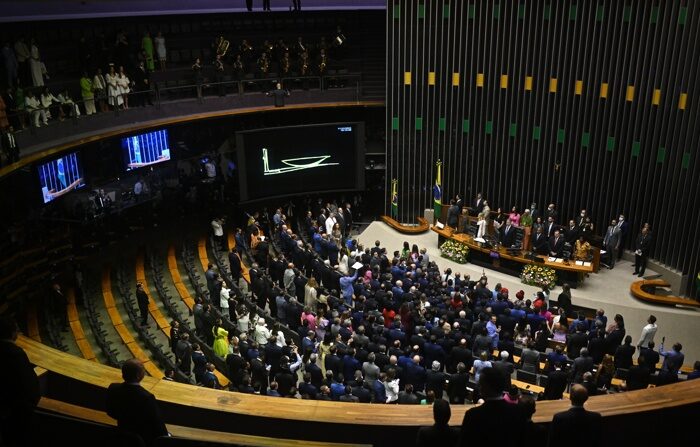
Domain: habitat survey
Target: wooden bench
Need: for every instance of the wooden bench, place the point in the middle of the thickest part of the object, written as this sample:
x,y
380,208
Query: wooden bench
x,y
638,290
77,327
193,434
33,323
422,226
177,279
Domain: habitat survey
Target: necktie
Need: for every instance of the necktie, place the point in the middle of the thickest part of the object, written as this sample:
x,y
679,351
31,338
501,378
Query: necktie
x,y
12,140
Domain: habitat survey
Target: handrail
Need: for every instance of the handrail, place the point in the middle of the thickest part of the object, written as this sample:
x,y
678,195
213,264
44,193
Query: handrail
x,y
304,411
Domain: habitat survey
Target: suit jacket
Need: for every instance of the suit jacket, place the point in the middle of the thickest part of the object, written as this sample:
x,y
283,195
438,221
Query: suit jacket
x,y
571,234
643,243
437,435
575,427
540,243
507,237
235,262
556,246
452,216
556,385
612,237
136,411
549,229
489,418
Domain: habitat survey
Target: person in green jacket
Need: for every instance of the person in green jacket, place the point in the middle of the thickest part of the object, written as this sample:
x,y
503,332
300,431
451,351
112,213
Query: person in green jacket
x,y
87,93
147,47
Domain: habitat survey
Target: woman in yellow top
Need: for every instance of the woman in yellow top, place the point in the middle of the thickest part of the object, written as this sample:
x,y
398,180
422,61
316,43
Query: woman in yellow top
x,y
583,250
220,339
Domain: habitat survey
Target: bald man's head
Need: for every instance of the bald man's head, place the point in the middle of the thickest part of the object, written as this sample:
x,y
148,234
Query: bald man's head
x,y
578,395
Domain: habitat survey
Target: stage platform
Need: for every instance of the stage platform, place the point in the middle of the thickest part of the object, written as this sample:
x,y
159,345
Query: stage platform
x,y
609,289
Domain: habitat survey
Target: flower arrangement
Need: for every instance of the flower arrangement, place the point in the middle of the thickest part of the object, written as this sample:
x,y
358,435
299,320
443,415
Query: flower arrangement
x,y
455,251
537,275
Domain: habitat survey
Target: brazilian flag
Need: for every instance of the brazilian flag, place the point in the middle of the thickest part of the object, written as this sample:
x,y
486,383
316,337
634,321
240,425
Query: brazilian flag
x,y
395,199
437,192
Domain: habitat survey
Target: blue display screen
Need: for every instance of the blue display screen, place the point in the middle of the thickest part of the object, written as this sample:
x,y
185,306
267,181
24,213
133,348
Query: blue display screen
x,y
60,176
146,149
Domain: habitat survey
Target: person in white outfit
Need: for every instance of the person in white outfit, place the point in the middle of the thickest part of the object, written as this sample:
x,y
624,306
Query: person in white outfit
x,y
124,86
36,67
34,108
481,225
262,333
115,99
160,49
648,333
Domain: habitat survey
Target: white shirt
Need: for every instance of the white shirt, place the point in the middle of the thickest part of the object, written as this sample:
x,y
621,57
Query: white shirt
x,y
218,229
224,296
329,224
392,390
261,334
648,333
482,228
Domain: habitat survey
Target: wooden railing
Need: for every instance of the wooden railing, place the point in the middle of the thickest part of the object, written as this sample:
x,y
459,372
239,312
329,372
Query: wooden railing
x,y
81,382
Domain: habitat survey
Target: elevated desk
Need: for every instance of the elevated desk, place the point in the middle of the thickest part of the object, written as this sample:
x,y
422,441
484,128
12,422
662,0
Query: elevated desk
x,y
496,256
422,226
645,291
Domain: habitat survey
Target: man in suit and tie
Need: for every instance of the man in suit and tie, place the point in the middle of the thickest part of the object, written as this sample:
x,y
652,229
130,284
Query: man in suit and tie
x,y
641,251
452,214
576,421
571,232
623,226
539,242
134,408
9,146
556,245
489,416
347,214
234,261
550,227
611,242
507,234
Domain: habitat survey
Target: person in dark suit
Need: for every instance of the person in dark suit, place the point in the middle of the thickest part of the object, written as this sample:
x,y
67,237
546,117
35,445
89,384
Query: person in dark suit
x,y
638,376
20,392
571,232
10,146
576,421
651,357
440,434
279,94
641,252
142,299
457,387
623,226
234,260
507,234
489,417
540,244
134,408
477,205
556,245
452,214
550,227
556,383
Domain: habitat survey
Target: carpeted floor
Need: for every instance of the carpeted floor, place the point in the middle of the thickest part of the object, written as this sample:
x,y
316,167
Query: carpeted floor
x,y
608,289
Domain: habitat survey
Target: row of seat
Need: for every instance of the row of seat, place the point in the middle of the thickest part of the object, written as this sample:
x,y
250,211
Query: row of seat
x,y
124,333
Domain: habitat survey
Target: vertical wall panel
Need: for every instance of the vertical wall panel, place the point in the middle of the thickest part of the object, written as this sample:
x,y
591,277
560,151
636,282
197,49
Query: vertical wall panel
x,y
584,103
